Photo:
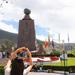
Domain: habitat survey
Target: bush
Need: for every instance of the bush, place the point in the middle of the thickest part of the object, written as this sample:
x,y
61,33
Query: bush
x,y
73,52
71,55
1,70
55,53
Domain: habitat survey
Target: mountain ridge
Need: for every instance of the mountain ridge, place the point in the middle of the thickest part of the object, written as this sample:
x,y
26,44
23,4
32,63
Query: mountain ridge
x,y
13,37
8,35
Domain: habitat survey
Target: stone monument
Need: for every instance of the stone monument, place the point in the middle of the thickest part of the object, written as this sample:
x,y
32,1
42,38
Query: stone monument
x,y
26,34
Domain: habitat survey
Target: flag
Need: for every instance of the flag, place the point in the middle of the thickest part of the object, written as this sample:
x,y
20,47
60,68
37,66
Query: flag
x,y
46,44
59,37
52,43
63,44
49,40
68,38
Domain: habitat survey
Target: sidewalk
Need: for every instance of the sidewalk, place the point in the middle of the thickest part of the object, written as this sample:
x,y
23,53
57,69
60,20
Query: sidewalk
x,y
3,61
72,74
43,73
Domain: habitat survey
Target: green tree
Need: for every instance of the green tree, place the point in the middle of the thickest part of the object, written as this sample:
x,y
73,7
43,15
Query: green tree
x,y
6,45
55,52
73,51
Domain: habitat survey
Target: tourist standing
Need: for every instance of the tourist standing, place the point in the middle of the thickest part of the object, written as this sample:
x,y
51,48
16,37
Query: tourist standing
x,y
1,55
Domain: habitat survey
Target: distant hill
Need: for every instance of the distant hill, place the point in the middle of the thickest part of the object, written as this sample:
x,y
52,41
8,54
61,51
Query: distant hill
x,y
7,35
4,35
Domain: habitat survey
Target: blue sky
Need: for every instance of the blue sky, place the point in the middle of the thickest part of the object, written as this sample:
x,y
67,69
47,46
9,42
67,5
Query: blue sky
x,y
39,30
13,22
50,16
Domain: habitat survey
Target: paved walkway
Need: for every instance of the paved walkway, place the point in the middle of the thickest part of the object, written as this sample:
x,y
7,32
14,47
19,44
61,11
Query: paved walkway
x,y
42,73
3,61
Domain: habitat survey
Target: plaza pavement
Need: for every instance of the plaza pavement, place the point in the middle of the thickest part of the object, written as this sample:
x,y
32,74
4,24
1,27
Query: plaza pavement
x,y
43,73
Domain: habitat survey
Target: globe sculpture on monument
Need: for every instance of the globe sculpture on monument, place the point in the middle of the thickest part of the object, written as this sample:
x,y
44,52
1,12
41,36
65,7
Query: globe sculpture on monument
x,y
26,34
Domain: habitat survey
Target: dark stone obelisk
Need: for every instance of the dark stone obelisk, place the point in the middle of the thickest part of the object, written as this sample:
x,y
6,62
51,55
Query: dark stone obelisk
x,y
26,35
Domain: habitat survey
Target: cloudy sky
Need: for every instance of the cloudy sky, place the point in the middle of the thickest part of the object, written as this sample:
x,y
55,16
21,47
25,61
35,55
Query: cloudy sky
x,y
50,16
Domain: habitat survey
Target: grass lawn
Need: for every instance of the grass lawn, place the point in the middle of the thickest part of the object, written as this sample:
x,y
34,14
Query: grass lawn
x,y
69,62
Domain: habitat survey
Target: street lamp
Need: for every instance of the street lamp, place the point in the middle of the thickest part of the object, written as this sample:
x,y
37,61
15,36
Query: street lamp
x,y
65,58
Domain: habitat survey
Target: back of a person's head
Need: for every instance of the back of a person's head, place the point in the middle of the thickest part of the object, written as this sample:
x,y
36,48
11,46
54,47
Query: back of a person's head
x,y
17,67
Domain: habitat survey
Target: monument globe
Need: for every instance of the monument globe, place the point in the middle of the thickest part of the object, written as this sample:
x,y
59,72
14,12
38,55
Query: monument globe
x,y
27,11
26,31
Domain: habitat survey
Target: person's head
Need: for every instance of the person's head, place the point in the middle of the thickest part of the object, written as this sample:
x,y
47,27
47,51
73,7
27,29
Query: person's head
x,y
63,52
17,67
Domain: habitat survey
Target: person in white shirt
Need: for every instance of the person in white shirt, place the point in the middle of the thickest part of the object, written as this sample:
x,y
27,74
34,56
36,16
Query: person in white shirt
x,y
15,65
63,56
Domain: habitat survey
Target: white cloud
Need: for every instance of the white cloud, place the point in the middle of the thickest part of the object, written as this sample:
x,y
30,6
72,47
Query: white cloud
x,y
8,28
41,37
10,11
57,15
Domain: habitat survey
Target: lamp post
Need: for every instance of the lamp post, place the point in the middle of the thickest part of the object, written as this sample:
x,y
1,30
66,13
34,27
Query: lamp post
x,y
64,55
64,64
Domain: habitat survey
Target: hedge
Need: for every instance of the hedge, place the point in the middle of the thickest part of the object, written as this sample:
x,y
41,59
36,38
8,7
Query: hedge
x,y
1,70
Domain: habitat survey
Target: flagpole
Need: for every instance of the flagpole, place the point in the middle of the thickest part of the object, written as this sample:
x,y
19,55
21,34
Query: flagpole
x,y
59,37
59,40
64,55
48,39
68,37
